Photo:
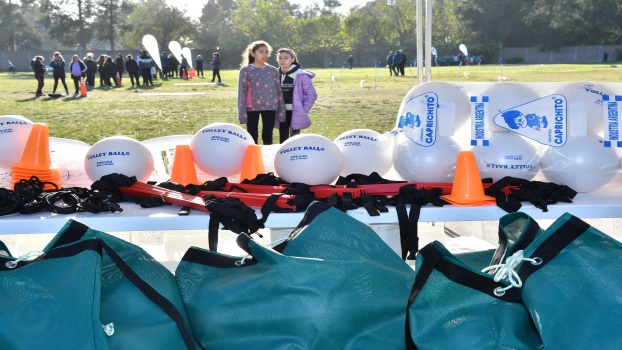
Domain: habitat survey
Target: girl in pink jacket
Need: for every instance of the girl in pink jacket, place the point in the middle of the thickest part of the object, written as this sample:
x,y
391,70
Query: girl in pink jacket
x,y
298,93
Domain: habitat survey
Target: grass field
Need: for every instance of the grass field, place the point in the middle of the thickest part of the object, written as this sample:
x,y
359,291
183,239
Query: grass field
x,y
344,102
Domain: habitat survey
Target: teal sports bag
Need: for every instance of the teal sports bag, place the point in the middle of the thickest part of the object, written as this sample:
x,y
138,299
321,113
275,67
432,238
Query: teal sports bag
x,y
453,304
573,291
90,290
333,284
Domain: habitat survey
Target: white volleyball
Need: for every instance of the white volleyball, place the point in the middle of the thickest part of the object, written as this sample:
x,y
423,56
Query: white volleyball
x,y
582,164
454,108
585,106
14,132
509,154
121,155
436,163
310,159
218,149
503,96
364,151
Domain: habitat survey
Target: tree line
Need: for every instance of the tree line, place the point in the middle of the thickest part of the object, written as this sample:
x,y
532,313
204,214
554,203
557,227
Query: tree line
x,y
318,33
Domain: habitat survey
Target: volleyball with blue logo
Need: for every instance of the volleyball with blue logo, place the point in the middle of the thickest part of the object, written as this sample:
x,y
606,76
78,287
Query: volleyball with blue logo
x,y
14,132
309,158
120,155
218,149
364,151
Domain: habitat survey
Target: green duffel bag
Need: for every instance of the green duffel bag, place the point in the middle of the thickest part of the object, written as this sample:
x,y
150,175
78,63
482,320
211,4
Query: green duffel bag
x,y
453,304
574,290
88,289
334,284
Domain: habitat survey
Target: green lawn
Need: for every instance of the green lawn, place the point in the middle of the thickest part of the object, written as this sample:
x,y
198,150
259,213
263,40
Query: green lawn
x,y
342,104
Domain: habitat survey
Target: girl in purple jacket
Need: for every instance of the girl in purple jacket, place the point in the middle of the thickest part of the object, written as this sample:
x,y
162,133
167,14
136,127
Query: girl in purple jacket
x,y
298,93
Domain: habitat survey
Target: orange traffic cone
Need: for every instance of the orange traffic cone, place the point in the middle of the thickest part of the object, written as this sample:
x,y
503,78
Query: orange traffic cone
x,y
467,188
118,79
183,171
252,164
193,73
82,87
36,159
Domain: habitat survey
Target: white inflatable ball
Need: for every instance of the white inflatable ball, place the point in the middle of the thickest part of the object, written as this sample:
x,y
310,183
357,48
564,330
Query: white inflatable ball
x,y
310,159
509,154
454,107
436,163
14,132
585,106
582,164
506,95
218,149
121,155
364,151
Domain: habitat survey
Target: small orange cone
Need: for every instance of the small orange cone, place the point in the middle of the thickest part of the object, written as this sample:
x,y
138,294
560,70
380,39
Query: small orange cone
x,y
193,73
82,87
37,151
183,74
467,188
183,171
118,79
252,164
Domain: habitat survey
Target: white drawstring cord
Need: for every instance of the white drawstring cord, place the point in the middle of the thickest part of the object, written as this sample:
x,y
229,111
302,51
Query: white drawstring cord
x,y
508,272
108,329
25,257
269,245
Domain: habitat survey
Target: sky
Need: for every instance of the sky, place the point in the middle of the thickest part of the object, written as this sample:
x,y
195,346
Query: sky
x,y
195,6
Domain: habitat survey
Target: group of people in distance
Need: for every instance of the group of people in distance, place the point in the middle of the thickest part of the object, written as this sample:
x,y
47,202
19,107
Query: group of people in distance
x,y
111,70
280,97
396,62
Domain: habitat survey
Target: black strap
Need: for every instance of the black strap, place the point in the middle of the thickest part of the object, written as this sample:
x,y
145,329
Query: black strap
x,y
233,214
538,193
169,308
408,221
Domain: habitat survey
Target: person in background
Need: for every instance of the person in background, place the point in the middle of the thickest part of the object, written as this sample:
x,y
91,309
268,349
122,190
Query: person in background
x,y
183,68
398,59
132,69
11,67
299,94
403,63
110,69
144,65
101,69
39,69
350,62
77,69
216,67
91,69
259,92
199,62
390,62
164,62
173,66
119,68
58,70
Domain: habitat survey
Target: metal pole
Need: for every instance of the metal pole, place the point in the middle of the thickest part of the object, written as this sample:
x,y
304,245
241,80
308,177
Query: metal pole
x,y
428,40
419,9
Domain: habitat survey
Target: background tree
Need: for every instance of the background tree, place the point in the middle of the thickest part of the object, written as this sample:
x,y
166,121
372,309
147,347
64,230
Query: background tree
x,y
18,31
69,21
112,20
164,22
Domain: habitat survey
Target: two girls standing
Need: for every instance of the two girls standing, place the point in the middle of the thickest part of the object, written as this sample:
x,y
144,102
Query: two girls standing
x,y
261,93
